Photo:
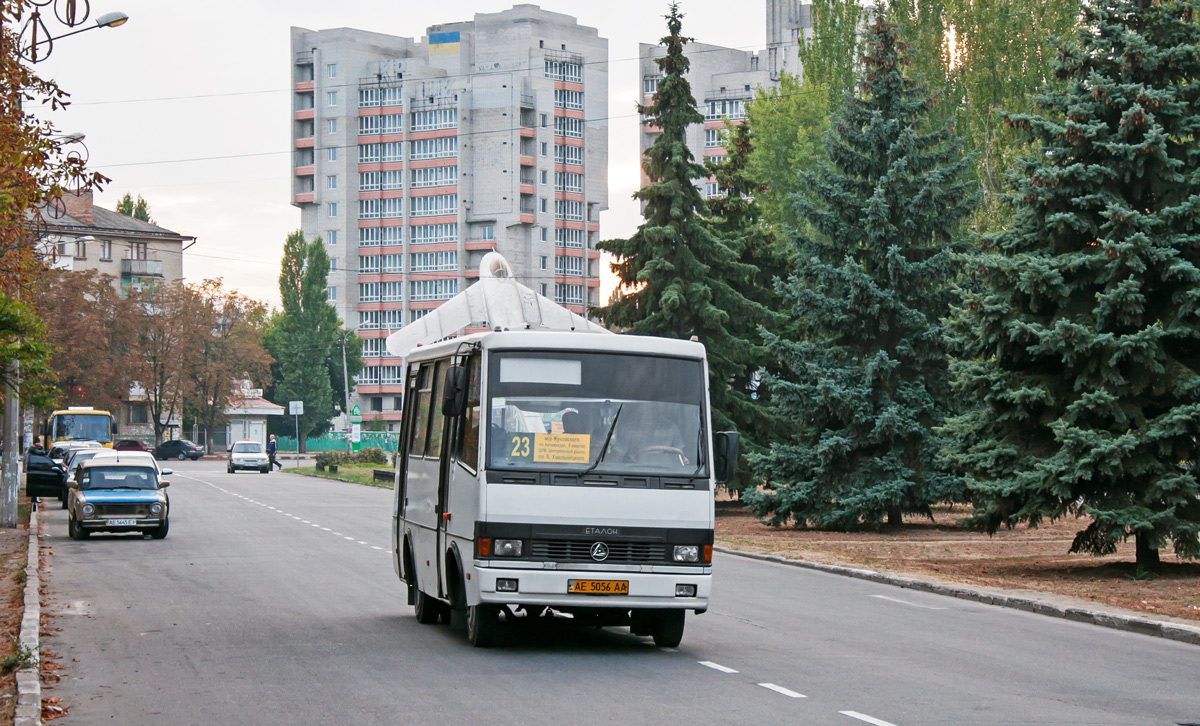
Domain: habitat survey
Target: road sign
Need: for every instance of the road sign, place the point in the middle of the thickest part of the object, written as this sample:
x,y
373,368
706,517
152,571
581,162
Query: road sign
x,y
355,414
295,408
356,433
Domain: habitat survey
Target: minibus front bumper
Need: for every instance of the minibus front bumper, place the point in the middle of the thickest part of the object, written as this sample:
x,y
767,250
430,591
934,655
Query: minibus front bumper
x,y
551,588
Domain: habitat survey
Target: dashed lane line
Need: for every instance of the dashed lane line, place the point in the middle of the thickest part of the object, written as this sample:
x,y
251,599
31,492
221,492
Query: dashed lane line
x,y
906,602
286,514
866,718
781,689
716,666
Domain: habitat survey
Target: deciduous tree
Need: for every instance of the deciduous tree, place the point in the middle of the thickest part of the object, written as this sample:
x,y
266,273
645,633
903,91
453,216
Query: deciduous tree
x,y
866,380
1082,341
168,347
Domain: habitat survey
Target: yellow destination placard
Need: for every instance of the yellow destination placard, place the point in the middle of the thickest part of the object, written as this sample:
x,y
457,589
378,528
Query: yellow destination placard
x,y
561,448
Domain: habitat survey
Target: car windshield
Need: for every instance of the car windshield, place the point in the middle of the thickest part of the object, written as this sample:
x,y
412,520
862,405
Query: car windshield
x,y
597,412
247,448
79,456
118,477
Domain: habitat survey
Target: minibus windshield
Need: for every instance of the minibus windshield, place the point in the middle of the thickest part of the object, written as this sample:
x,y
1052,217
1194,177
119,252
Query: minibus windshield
x,y
603,412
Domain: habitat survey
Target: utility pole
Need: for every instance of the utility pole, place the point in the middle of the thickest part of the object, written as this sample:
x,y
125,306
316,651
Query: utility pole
x,y
346,386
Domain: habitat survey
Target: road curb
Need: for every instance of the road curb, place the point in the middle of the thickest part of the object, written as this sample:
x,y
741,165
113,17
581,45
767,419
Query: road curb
x,y
1104,619
29,683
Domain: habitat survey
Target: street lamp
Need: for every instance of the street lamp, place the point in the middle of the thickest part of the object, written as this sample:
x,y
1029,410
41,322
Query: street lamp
x,y
30,53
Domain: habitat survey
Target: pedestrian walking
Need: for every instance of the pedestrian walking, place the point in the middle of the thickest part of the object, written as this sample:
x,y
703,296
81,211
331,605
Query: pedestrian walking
x,y
272,447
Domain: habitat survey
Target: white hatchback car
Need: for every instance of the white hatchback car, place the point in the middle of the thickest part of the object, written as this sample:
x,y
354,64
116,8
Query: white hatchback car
x,y
248,455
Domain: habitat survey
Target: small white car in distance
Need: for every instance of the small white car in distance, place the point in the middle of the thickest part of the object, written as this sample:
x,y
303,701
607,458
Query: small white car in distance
x,y
248,455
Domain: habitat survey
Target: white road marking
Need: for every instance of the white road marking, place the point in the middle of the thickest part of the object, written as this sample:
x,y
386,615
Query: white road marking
x,y
864,717
324,529
905,602
716,666
376,548
781,689
349,538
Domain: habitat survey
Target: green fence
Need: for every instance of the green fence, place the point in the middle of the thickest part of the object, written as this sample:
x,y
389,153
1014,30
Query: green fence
x,y
337,442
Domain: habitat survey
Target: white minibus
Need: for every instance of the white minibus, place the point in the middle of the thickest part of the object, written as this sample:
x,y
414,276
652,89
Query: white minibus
x,y
546,472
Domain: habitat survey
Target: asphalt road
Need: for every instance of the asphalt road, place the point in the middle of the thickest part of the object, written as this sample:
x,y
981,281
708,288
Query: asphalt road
x,y
273,601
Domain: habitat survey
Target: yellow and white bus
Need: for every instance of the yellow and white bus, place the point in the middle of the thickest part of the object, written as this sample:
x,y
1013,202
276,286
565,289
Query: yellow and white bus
x,y
79,423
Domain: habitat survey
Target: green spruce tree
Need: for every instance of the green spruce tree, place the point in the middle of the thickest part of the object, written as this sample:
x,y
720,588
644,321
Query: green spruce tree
x,y
677,277
866,383
1082,339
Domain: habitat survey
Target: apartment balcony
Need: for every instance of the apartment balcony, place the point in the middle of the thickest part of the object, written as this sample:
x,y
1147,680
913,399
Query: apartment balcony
x,y
528,100
305,113
527,188
528,132
528,160
305,142
527,217
305,170
141,268
305,197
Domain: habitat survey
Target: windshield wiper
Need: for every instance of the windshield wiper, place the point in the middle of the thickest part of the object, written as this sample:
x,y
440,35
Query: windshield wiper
x,y
607,439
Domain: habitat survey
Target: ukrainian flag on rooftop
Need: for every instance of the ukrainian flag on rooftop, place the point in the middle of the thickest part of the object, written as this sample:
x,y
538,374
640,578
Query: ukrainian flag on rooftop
x,y
443,43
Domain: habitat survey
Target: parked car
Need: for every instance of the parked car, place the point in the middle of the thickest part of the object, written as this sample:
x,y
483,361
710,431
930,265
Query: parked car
x,y
132,445
178,449
118,493
248,455
45,477
145,456
59,451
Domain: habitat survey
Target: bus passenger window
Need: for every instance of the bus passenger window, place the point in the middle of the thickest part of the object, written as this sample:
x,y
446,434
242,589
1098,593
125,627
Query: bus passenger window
x,y
424,401
469,449
437,422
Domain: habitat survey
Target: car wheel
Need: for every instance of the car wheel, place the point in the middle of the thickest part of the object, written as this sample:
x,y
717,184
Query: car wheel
x,y
426,609
668,630
75,530
160,531
483,624
181,456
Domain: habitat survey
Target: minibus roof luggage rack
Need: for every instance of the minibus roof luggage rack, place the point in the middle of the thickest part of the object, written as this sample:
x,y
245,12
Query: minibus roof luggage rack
x,y
497,302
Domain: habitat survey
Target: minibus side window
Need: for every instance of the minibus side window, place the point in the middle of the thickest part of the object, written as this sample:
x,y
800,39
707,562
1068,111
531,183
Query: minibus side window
x,y
437,421
424,403
468,452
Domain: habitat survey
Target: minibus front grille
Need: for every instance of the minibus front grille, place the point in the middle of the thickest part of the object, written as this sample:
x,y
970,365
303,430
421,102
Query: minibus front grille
x,y
557,550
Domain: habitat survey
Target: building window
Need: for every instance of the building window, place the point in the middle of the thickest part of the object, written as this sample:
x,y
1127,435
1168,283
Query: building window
x,y
543,290
434,176
568,266
139,413
331,237
434,261
568,99
544,238
543,204
569,127
568,238
434,148
331,181
371,153
333,209
375,236
331,70
79,249
731,108
434,205
332,293
545,120
564,71
545,261
438,118
331,154
650,85
389,123
543,148
380,319
711,190
435,233
433,289
565,294
568,181
106,249
380,208
489,231
333,126
138,250
712,138
332,96
545,176
568,210
572,155
333,264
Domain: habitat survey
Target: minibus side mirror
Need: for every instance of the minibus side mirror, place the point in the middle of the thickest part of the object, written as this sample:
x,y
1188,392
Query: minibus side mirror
x,y
115,428
454,395
725,450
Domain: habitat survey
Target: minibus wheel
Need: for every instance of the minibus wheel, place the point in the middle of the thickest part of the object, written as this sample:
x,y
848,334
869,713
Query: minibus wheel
x,y
483,624
668,630
426,609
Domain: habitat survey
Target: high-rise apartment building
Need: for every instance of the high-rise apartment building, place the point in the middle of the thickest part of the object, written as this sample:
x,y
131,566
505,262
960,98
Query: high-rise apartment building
x,y
724,79
413,159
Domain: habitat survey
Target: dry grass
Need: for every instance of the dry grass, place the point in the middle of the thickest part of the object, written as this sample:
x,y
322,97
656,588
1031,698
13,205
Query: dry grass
x,y
1018,559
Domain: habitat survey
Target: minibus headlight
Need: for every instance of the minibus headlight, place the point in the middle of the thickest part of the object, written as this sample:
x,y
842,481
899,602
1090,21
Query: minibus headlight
x,y
506,548
687,553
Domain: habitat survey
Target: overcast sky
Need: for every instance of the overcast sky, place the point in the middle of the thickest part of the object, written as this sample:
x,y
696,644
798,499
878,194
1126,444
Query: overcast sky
x,y
193,79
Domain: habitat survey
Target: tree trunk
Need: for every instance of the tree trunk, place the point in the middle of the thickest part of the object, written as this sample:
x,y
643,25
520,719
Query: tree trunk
x,y
1147,556
895,517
